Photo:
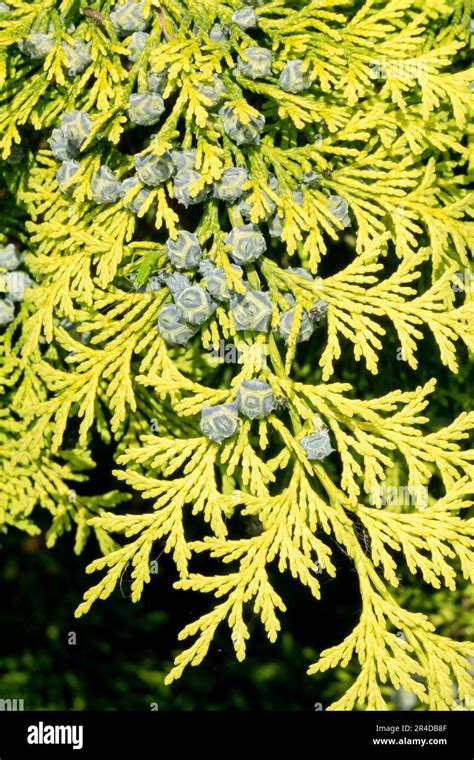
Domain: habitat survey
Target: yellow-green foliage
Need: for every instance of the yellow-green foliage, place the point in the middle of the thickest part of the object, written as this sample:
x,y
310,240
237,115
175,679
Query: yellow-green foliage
x,y
82,358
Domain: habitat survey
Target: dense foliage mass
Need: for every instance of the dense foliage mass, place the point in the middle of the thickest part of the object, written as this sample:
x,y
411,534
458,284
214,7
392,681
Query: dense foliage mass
x,y
234,255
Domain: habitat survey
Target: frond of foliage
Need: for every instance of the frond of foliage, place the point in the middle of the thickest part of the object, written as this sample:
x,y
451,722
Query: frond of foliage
x,y
138,142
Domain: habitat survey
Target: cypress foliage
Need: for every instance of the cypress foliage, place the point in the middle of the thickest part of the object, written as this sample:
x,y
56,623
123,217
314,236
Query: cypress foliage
x,y
230,234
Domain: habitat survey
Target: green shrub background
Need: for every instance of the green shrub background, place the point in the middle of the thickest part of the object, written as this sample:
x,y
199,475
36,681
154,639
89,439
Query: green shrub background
x,y
124,651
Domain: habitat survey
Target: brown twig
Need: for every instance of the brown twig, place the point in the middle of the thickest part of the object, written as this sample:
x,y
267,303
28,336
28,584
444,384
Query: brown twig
x,y
162,18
